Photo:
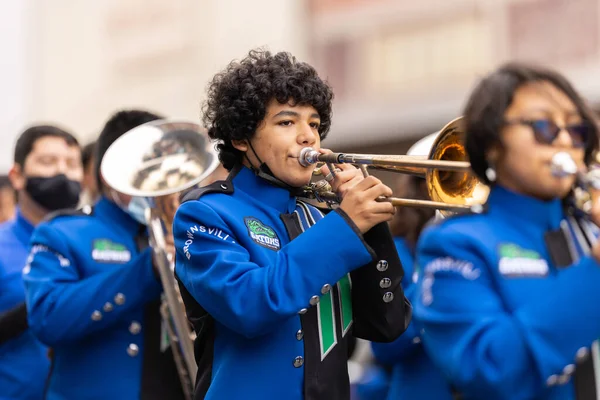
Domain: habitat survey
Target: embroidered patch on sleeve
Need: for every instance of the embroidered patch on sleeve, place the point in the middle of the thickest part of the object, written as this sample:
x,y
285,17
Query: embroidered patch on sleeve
x,y
262,234
518,262
449,264
444,265
194,230
40,248
107,251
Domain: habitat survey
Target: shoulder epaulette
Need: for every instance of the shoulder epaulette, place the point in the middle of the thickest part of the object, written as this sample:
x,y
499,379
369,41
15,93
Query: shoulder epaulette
x,y
71,212
225,187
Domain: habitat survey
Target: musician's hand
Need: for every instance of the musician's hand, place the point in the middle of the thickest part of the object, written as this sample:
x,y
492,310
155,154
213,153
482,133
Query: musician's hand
x,y
345,176
361,206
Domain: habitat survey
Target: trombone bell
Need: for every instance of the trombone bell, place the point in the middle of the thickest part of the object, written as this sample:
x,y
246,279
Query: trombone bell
x,y
452,187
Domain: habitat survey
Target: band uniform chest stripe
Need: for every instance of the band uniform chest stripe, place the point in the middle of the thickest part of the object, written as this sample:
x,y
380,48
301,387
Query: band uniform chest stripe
x,y
308,218
344,285
326,323
345,297
326,310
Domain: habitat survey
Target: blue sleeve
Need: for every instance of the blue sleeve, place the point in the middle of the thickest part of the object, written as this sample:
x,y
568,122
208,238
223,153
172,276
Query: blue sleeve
x,y
484,349
249,298
11,284
62,306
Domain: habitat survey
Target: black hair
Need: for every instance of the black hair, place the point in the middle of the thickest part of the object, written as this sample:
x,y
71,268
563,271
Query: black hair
x,y
238,97
118,124
484,112
27,139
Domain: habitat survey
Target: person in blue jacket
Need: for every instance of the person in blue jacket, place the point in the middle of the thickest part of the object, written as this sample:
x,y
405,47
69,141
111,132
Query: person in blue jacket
x,y
273,286
413,374
507,298
93,295
46,175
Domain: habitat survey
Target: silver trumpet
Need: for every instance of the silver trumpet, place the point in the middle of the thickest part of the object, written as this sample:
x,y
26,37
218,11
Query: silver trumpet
x,y
155,163
562,165
583,231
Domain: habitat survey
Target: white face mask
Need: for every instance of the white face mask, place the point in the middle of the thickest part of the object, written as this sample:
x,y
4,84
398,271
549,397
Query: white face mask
x,y
137,210
136,207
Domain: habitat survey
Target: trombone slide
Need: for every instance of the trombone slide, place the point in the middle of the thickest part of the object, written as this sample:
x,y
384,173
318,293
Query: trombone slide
x,y
309,156
331,197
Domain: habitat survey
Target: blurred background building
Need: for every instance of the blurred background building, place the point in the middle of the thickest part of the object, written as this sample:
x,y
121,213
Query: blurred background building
x,y
400,68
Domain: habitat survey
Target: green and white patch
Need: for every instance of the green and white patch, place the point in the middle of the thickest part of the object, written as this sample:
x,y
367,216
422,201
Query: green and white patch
x,y
518,262
105,250
262,234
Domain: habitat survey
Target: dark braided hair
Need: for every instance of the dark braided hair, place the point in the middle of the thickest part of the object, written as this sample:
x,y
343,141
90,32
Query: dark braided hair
x,y
238,97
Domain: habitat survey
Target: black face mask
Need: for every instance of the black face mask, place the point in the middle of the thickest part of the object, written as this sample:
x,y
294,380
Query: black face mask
x,y
54,192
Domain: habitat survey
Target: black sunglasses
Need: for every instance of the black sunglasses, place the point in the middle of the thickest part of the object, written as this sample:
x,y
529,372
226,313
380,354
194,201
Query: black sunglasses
x,y
546,131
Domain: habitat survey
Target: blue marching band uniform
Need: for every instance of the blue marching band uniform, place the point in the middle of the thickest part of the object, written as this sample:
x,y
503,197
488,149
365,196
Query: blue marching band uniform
x,y
505,315
499,312
505,308
92,296
413,374
274,288
23,359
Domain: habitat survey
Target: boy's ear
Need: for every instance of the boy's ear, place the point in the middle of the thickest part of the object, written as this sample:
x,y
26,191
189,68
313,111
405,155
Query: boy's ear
x,y
241,145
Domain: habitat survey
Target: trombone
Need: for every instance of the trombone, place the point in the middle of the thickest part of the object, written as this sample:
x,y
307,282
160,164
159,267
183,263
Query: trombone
x,y
451,185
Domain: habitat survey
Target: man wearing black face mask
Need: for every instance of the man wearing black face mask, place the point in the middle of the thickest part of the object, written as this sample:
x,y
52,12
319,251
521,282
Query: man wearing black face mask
x,y
46,175
92,295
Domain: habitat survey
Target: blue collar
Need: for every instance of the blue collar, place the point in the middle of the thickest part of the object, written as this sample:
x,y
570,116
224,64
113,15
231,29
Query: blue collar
x,y
22,227
265,192
107,208
545,213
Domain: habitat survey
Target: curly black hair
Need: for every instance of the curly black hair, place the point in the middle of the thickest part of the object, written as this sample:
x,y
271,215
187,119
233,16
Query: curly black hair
x,y
238,97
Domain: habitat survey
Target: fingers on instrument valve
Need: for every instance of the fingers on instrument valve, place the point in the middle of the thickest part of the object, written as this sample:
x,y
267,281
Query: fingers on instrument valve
x,y
317,171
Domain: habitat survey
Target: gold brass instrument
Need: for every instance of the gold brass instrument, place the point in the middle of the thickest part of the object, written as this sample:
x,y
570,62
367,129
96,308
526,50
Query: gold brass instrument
x,y
451,185
154,163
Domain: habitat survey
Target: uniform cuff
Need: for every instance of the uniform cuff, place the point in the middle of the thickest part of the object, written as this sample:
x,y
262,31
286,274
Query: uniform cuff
x,y
355,229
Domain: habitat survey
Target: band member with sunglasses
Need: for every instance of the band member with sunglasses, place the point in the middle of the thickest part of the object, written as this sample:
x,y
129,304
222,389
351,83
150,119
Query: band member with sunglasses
x,y
273,287
509,304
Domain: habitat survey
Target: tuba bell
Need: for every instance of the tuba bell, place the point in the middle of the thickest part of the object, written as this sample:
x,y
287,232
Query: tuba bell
x,y
154,164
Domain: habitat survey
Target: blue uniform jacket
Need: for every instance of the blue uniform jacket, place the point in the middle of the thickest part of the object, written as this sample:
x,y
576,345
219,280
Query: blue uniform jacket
x,y
414,376
500,319
24,363
273,314
87,289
